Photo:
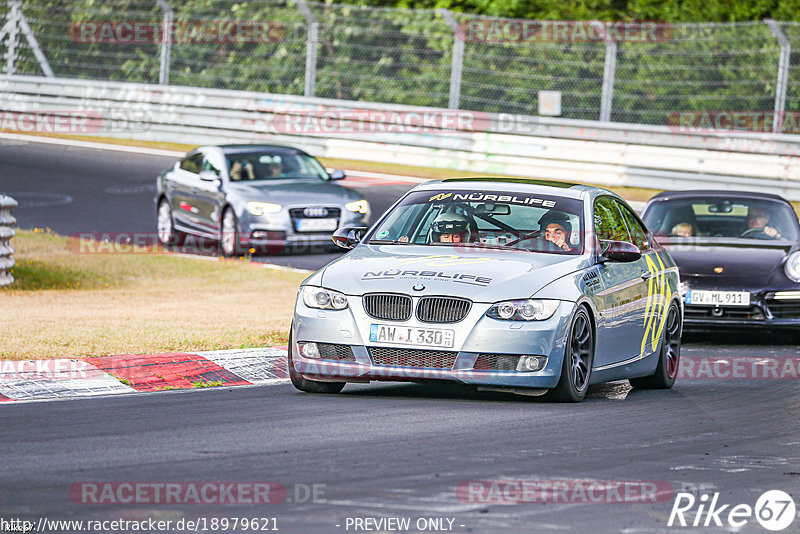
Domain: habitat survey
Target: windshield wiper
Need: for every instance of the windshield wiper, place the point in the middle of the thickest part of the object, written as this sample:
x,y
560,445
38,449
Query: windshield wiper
x,y
387,242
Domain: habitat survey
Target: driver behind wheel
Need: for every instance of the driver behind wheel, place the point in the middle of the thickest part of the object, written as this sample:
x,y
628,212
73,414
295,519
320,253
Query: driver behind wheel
x,y
450,228
758,222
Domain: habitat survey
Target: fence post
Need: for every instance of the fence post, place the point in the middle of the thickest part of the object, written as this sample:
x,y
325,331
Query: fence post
x,y
609,73
311,47
11,30
783,74
7,222
457,62
166,42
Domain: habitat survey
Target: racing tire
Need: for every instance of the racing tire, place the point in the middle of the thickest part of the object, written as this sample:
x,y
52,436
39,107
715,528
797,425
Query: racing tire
x,y
166,233
576,369
669,357
229,244
306,385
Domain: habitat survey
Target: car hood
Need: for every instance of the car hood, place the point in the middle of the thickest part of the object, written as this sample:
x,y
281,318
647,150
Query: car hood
x,y
480,275
742,263
297,191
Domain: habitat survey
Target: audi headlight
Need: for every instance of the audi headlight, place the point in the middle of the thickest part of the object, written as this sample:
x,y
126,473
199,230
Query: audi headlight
x,y
359,206
263,208
323,299
792,266
523,310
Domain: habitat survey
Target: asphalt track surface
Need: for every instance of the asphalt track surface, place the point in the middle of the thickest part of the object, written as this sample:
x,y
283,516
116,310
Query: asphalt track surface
x,y
382,450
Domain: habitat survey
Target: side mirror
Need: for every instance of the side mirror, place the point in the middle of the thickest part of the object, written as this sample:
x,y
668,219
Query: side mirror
x,y
348,237
210,176
620,251
338,175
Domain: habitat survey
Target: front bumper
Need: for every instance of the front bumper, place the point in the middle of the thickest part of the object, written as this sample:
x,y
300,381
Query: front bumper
x,y
477,339
279,230
766,311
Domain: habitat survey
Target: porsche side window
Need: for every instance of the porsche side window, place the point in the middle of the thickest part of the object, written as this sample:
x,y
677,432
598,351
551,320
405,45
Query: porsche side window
x,y
192,163
608,221
638,233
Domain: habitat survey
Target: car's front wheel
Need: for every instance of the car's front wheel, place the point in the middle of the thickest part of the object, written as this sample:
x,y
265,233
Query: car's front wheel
x,y
669,357
306,385
576,368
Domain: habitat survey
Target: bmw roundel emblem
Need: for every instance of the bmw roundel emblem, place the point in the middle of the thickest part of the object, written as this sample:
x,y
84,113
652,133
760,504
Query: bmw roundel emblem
x,y
418,287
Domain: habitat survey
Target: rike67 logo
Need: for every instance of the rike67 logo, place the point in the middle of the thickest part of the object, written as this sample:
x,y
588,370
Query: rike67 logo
x,y
774,510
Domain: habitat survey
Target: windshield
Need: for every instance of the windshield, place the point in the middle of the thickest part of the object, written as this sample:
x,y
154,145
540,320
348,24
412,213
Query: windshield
x,y
745,218
273,165
509,220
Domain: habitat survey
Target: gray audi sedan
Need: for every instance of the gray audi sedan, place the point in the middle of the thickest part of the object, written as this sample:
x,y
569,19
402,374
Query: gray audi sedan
x,y
254,197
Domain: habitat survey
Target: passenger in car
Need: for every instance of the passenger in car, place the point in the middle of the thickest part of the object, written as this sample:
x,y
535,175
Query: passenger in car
x,y
682,229
556,228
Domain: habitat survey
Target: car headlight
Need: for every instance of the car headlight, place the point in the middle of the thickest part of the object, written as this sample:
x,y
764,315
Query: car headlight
x,y
792,266
523,310
359,206
323,299
263,208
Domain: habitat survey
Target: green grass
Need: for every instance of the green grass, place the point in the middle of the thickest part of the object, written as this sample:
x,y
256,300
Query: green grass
x,y
66,304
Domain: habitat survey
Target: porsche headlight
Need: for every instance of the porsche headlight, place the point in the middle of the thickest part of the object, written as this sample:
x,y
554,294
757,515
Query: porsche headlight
x,y
263,208
523,310
359,206
792,266
323,299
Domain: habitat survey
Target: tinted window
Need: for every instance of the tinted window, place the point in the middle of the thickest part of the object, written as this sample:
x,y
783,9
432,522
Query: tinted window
x,y
608,221
192,163
273,165
721,217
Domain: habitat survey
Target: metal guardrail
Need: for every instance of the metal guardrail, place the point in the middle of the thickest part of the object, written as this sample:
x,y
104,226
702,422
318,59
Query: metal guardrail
x,y
562,149
7,222
633,72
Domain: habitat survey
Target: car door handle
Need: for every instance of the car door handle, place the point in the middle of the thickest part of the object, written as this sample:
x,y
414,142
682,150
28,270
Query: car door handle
x,y
647,275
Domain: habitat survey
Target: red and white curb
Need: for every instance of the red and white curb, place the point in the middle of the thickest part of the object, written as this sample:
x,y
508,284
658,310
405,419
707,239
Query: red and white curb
x,y
129,373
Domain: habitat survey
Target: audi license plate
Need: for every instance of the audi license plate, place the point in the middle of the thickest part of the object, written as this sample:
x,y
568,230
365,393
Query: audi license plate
x,y
316,225
403,335
718,298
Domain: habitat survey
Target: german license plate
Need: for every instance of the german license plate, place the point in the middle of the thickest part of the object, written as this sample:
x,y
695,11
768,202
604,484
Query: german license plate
x,y
403,335
718,298
316,225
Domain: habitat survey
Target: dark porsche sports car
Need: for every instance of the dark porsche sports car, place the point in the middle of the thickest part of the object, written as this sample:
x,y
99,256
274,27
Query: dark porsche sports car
x,y
254,196
738,255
